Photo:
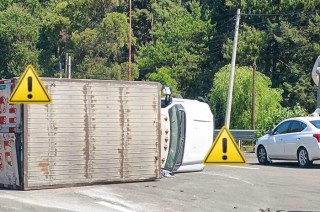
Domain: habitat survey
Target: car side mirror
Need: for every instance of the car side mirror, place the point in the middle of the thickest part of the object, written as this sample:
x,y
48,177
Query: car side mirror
x,y
269,132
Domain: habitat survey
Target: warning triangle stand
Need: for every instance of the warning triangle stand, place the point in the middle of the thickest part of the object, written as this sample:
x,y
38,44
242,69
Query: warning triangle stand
x,y
224,150
29,89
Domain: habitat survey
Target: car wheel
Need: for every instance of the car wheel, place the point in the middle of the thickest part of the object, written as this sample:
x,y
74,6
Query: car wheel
x,y
303,158
262,155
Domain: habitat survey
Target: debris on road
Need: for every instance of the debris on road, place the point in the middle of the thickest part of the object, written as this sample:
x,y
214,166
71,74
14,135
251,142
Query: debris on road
x,y
166,173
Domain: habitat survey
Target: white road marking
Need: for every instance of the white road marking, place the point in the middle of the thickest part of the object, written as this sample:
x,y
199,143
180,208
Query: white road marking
x,y
236,178
241,167
117,207
166,209
227,176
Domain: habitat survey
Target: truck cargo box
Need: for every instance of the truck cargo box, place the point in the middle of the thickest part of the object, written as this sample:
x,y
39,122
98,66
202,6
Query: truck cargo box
x,y
94,131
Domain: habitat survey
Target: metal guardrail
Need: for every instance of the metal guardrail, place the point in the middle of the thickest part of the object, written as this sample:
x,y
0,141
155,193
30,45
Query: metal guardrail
x,y
240,135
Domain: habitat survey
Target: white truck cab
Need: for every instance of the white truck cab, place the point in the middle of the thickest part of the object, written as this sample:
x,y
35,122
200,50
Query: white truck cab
x,y
187,134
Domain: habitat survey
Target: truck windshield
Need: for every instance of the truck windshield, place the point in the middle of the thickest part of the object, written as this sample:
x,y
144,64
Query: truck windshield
x,y
176,136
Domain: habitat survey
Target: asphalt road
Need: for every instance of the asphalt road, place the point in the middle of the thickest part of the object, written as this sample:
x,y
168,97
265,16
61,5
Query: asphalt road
x,y
282,186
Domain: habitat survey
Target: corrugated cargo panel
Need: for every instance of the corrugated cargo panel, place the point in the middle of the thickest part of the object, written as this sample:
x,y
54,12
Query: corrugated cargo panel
x,y
93,131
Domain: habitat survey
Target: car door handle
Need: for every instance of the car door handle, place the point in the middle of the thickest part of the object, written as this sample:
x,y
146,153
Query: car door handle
x,y
298,139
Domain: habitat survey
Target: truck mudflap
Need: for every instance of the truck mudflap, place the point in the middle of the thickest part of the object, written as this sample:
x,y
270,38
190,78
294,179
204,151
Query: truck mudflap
x,y
9,176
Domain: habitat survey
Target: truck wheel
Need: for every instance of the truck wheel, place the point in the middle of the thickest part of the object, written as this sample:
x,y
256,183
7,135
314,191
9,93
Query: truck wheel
x,y
303,158
262,155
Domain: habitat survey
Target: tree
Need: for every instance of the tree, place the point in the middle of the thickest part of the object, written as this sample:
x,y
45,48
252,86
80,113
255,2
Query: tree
x,y
86,13
63,19
177,42
247,54
287,44
179,45
98,52
267,99
54,37
276,117
163,75
19,34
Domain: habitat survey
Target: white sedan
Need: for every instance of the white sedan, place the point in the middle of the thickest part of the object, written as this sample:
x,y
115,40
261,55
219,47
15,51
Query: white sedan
x,y
292,139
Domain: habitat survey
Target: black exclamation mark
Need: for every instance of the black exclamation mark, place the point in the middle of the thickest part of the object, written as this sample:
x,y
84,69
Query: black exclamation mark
x,y
29,87
224,148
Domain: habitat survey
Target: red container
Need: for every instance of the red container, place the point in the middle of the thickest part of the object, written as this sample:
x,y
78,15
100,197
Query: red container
x,y
2,119
12,120
13,110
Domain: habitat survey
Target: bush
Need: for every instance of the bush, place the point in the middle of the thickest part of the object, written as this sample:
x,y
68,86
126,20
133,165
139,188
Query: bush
x,y
283,113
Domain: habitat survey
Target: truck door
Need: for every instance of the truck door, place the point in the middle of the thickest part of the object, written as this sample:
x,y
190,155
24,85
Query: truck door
x,y
177,137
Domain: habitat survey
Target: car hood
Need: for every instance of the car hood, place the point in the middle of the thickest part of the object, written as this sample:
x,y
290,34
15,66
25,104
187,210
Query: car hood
x,y
263,137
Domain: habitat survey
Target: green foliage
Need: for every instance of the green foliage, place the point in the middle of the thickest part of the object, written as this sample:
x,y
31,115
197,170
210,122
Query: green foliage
x,y
163,75
54,37
113,33
275,117
178,45
97,52
285,46
86,13
142,23
267,99
19,34
4,4
247,53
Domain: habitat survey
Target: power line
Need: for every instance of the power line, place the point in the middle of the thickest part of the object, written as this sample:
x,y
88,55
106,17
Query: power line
x,y
224,23
296,20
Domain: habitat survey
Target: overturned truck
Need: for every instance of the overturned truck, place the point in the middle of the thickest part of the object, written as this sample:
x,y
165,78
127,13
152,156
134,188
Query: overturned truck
x,y
94,131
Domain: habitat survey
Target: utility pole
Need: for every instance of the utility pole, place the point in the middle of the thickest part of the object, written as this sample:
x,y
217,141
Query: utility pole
x,y
318,90
253,111
59,64
315,74
66,66
233,65
69,67
60,69
130,65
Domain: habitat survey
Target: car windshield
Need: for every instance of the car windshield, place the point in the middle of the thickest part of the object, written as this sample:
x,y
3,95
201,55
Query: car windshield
x,y
316,123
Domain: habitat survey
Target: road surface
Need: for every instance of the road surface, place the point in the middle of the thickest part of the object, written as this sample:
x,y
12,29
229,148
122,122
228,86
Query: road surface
x,y
282,186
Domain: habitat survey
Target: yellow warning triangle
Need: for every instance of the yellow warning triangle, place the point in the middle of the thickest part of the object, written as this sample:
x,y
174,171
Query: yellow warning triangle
x,y
224,150
29,89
